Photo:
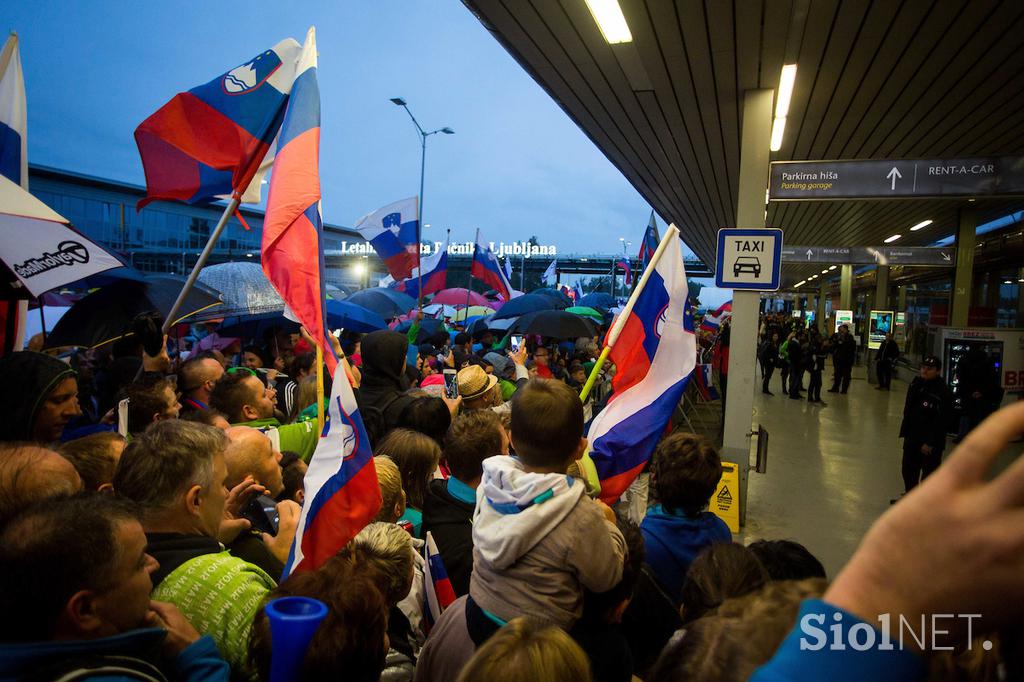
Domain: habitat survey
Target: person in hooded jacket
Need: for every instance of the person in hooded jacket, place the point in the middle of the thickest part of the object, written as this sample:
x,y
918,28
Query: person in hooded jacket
x,y
41,397
384,381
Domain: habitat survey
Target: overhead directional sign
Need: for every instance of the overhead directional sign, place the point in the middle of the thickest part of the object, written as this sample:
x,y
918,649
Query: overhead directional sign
x,y
749,258
901,178
870,255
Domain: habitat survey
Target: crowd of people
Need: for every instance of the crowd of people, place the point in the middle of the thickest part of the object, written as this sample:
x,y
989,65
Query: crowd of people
x,y
150,553
785,344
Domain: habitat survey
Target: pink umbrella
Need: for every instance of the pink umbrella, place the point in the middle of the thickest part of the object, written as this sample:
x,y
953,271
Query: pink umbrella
x,y
458,296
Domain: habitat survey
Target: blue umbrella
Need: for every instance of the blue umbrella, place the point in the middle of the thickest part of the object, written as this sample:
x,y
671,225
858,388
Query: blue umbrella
x,y
428,328
560,300
525,304
353,317
385,302
597,299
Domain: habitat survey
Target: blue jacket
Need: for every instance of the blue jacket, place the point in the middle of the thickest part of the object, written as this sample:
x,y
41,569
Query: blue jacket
x,y
128,656
673,540
791,664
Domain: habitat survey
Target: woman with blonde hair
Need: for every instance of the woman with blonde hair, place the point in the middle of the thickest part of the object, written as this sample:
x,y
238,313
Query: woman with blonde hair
x,y
524,651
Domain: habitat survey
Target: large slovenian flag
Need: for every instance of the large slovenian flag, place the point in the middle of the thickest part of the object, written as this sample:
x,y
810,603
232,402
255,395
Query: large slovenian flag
x,y
210,142
293,254
342,493
435,275
487,269
13,116
654,357
649,244
392,231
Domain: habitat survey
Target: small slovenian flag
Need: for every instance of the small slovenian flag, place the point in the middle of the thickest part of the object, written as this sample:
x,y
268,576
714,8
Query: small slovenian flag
x,y
438,591
342,493
712,322
705,382
435,275
627,267
487,269
649,244
392,231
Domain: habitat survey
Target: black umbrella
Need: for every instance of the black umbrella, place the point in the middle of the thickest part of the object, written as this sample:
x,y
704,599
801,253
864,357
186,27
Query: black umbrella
x,y
428,328
385,302
521,305
556,324
597,299
559,298
107,314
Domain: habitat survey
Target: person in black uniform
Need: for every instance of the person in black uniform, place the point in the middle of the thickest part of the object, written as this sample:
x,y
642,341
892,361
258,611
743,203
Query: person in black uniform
x,y
769,358
796,365
885,361
925,418
844,350
817,351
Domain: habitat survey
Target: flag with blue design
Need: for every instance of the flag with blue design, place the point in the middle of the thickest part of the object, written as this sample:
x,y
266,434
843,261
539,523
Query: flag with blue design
x,y
13,116
393,233
649,244
342,493
654,357
438,592
550,274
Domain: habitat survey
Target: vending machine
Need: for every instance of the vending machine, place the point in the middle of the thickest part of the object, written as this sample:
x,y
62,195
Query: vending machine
x,y
1004,348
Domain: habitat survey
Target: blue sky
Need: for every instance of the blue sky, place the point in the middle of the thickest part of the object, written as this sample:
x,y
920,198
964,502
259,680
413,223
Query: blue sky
x,y
517,166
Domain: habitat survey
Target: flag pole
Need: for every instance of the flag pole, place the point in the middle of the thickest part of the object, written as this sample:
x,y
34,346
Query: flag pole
x,y
671,234
469,284
203,257
320,387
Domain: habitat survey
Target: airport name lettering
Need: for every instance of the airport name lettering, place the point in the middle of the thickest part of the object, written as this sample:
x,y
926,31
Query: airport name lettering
x,y
976,169
809,181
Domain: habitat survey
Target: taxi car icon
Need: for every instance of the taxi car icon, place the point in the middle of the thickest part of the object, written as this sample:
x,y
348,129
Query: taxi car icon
x,y
746,264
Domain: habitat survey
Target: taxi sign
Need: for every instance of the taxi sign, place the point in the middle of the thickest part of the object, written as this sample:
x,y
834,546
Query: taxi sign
x,y
749,258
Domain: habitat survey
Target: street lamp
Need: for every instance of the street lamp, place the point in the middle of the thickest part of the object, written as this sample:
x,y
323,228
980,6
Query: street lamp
x,y
398,101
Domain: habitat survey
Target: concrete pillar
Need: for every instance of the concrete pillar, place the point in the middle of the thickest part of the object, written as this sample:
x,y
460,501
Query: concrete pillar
x,y
739,406
901,307
846,287
961,303
1020,299
882,287
819,310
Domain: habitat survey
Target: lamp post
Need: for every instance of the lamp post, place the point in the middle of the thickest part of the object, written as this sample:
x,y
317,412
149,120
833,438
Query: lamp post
x,y
398,101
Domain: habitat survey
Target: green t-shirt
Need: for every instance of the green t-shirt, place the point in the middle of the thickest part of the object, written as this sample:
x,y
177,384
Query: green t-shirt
x,y
300,438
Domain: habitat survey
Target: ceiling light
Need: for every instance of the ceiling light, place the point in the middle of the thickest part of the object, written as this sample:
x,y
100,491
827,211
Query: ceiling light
x,y
801,283
890,240
778,128
832,267
826,270
610,20
921,225
785,94
1007,282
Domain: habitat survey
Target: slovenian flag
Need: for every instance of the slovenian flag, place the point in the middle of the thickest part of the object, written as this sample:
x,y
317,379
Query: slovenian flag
x,y
435,275
487,269
293,254
712,322
438,592
649,244
392,231
705,383
627,267
550,275
13,116
342,494
210,142
654,356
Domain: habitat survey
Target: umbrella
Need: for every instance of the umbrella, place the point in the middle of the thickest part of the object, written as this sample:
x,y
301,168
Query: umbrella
x,y
583,310
244,288
459,296
353,317
557,324
107,313
255,326
439,310
525,304
597,299
472,311
39,245
560,300
385,302
428,328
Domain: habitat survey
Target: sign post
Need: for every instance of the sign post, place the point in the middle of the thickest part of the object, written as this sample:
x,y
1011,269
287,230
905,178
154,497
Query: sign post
x,y
749,259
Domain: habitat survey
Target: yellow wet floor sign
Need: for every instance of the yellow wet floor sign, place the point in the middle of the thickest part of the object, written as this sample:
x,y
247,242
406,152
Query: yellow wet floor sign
x,y
725,503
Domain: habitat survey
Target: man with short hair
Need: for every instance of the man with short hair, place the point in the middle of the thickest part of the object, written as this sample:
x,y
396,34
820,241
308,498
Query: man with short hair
x,y
150,399
450,504
196,380
247,402
40,397
76,573
926,418
30,473
844,352
175,472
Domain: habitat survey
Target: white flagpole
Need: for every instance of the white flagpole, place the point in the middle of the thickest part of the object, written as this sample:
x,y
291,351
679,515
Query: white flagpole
x,y
671,235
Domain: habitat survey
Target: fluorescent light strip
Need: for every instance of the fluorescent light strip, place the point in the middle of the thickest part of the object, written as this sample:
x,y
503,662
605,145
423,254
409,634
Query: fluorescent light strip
x,y
778,128
611,21
825,270
890,240
832,267
921,225
785,94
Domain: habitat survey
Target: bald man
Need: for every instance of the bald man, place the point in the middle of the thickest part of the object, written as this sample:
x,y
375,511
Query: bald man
x,y
30,473
250,455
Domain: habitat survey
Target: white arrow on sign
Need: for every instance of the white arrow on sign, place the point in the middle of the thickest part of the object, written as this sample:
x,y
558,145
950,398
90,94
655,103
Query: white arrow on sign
x,y
809,254
893,174
946,256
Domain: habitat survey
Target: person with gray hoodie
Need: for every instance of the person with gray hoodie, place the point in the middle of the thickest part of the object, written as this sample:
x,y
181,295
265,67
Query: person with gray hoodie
x,y
538,540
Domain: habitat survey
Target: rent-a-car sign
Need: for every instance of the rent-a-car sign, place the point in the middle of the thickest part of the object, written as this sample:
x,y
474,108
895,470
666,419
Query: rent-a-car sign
x,y
749,258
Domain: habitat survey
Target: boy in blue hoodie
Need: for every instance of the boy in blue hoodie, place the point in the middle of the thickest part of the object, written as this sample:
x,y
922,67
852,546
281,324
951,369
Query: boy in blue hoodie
x,y
684,474
538,540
